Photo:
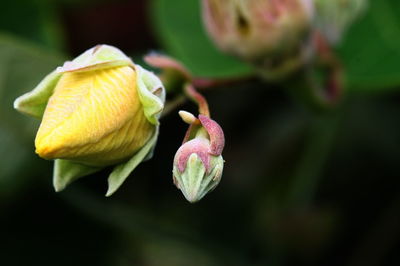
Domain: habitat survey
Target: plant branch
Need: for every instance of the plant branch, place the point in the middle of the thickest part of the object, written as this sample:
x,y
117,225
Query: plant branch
x,y
192,93
331,89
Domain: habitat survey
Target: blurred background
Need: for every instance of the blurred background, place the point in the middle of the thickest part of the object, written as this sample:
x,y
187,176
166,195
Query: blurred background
x,y
299,187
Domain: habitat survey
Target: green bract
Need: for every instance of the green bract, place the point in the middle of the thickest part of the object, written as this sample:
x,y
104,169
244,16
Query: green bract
x,y
195,181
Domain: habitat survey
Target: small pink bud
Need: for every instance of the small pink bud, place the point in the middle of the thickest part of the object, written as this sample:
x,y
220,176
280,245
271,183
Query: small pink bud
x,y
198,163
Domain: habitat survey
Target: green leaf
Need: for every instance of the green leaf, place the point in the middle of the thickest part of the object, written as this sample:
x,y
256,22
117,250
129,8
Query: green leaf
x,y
35,20
10,165
65,172
122,171
34,102
370,51
22,66
181,31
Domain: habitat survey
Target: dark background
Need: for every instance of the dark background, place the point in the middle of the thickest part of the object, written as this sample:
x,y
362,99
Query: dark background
x,y
300,187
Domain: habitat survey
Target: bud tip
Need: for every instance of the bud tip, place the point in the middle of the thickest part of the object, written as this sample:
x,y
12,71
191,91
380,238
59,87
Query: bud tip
x,y
187,117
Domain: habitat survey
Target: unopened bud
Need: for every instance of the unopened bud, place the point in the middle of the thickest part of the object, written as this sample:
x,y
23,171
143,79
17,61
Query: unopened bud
x,y
198,163
261,32
97,110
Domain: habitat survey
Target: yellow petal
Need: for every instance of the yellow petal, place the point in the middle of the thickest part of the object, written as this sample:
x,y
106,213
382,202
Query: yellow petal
x,y
94,117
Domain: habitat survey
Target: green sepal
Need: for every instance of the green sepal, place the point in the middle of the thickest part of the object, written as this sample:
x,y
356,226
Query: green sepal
x,y
70,67
100,53
99,57
151,152
65,172
212,180
151,94
34,102
195,182
190,180
122,171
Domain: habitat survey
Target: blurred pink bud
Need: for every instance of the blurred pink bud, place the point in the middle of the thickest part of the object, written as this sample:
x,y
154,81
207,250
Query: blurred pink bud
x,y
259,31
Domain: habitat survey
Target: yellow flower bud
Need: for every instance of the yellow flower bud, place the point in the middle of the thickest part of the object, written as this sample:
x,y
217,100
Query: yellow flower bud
x,y
98,110
94,117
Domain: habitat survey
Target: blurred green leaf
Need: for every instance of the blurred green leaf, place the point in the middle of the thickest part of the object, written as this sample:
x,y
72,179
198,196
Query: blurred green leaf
x,y
371,51
22,66
9,165
35,20
181,32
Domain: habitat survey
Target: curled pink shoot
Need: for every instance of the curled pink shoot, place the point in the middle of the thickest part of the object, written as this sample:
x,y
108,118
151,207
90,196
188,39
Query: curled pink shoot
x,y
166,62
198,98
197,146
217,138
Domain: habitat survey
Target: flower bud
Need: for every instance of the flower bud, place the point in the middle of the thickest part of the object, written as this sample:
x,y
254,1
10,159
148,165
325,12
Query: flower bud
x,y
262,32
333,17
198,163
98,110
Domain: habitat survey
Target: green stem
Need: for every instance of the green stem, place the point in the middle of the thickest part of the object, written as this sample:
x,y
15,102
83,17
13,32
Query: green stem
x,y
330,90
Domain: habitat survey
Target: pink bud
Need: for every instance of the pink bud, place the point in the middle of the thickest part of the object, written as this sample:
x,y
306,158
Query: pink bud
x,y
262,32
198,162
199,146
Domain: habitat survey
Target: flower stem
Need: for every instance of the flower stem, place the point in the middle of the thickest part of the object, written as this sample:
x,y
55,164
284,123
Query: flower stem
x,y
197,98
332,87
